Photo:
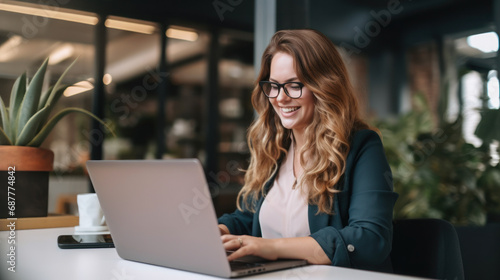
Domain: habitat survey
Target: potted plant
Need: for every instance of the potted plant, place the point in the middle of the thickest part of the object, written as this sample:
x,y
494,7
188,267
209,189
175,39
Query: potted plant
x,y
24,125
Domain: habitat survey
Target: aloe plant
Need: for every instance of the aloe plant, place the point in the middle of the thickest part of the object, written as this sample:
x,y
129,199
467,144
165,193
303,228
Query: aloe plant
x,y
26,121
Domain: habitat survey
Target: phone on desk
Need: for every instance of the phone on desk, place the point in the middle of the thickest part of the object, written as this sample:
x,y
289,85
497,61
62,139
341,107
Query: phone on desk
x,y
85,241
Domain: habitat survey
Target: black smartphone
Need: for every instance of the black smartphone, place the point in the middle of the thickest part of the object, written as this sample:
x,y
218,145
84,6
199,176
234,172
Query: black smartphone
x,y
85,241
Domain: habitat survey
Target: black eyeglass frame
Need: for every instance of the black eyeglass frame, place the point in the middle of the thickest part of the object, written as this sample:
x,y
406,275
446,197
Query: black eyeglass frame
x,y
261,83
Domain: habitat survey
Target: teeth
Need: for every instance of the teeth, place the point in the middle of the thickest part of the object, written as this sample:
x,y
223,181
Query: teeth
x,y
289,109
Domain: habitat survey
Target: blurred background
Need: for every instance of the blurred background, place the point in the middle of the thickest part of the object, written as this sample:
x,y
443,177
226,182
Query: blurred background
x,y
174,79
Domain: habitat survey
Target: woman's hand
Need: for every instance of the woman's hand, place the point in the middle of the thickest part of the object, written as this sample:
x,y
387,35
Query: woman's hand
x,y
284,248
223,229
244,245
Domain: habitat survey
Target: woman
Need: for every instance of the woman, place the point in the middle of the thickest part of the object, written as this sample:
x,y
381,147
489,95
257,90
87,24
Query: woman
x,y
318,186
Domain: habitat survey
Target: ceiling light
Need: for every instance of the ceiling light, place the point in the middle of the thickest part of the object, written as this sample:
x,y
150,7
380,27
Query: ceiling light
x,y
130,26
79,17
78,88
107,79
182,34
60,54
485,42
9,48
49,12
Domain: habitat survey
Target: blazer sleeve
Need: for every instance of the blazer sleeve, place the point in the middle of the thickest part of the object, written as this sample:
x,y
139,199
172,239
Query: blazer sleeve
x,y
366,240
238,222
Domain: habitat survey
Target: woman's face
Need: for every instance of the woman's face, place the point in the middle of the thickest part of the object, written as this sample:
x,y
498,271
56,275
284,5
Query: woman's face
x,y
295,114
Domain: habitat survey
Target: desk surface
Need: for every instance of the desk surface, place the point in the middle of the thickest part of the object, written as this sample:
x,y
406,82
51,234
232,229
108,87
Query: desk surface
x,y
37,256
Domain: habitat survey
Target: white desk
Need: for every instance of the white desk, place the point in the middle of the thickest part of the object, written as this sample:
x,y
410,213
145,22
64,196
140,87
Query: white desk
x,y
38,257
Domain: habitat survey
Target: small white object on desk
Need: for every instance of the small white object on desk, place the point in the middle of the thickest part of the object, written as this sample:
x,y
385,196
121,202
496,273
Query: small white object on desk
x,y
90,214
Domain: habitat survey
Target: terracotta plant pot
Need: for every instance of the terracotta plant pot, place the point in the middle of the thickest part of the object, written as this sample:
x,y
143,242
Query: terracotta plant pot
x,y
24,177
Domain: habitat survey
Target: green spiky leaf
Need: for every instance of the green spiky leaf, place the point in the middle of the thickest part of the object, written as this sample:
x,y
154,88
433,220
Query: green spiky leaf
x,y
5,119
56,93
44,132
16,98
30,102
51,104
44,98
53,95
31,127
4,140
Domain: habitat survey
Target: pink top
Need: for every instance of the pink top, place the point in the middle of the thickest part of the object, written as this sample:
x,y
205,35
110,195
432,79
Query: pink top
x,y
284,212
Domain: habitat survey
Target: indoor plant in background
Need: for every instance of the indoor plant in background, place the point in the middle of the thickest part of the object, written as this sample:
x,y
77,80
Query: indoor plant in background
x,y
436,172
24,125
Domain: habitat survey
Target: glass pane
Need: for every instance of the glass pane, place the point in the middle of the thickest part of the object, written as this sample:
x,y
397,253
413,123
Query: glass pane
x,y
132,82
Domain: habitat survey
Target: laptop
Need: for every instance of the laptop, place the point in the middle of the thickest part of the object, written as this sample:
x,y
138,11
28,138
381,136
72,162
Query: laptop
x,y
160,212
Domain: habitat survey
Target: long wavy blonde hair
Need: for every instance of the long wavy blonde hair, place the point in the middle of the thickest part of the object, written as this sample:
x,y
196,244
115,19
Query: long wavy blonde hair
x,y
320,68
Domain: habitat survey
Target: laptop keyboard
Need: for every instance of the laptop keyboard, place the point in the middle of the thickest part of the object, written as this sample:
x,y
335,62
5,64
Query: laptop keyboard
x,y
246,262
236,265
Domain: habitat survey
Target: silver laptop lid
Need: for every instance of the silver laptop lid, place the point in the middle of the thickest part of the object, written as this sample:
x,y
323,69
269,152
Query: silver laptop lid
x,y
160,212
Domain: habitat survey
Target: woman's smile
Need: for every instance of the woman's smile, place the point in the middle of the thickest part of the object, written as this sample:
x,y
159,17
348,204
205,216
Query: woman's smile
x,y
289,109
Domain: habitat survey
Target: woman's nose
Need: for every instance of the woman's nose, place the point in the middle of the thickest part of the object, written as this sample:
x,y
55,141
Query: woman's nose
x,y
282,96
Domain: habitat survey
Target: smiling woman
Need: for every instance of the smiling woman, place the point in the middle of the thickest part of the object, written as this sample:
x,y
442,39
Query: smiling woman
x,y
318,186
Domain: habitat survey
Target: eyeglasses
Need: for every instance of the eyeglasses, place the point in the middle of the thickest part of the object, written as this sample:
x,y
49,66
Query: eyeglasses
x,y
272,89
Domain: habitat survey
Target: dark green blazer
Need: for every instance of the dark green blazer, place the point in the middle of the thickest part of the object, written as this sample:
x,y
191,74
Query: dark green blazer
x,y
359,234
